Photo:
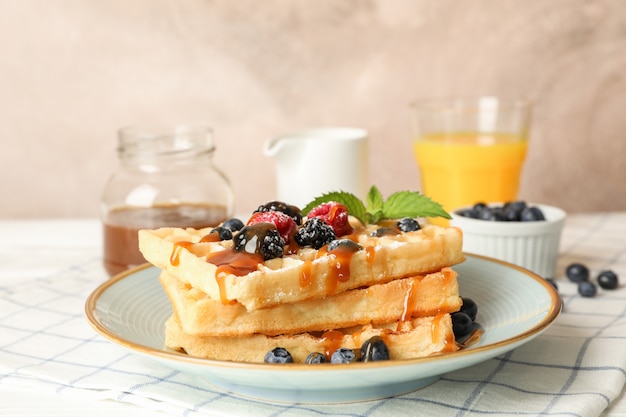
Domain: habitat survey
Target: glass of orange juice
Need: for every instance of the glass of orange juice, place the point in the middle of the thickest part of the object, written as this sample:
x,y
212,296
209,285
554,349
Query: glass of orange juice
x,y
470,150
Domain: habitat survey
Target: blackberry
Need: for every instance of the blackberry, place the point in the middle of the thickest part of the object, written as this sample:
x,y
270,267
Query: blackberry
x,y
374,349
408,225
261,238
234,224
316,233
291,211
278,355
315,358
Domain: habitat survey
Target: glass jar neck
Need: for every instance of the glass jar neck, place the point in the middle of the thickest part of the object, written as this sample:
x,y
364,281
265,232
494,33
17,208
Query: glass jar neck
x,y
175,145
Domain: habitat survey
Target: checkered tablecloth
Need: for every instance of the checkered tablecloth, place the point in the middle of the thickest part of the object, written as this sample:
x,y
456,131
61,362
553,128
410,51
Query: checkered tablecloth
x,y
48,268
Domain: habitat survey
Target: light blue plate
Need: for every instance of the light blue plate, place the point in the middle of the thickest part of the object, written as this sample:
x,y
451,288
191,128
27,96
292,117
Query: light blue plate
x,y
514,306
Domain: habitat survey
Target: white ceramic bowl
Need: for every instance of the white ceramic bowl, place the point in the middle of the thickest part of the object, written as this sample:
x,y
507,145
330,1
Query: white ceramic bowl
x,y
532,245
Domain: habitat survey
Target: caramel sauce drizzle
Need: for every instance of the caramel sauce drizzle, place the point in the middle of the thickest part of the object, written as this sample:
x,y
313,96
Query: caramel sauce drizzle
x,y
178,246
331,341
449,343
231,262
305,275
408,305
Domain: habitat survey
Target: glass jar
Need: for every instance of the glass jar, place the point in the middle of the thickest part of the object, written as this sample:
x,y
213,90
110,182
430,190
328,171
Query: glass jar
x,y
165,178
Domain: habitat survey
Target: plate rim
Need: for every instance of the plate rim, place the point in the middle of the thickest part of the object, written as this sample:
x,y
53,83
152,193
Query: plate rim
x,y
556,306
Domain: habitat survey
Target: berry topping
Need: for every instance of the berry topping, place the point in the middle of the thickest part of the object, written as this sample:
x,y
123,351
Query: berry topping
x,y
315,358
587,289
577,272
234,224
260,238
607,280
513,211
469,307
408,224
316,233
334,214
222,232
285,225
461,324
345,244
374,349
291,211
278,355
343,355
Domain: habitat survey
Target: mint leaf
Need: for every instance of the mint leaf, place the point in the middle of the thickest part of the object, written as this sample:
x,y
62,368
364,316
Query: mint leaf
x,y
374,200
374,205
355,206
412,204
399,204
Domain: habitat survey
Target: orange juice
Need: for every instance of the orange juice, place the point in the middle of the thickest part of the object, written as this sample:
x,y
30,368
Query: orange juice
x,y
460,169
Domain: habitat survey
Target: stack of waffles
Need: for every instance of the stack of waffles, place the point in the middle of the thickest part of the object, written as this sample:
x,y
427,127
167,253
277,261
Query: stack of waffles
x,y
231,305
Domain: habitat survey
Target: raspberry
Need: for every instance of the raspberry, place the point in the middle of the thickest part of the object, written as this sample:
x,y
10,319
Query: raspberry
x,y
315,233
284,223
335,214
291,211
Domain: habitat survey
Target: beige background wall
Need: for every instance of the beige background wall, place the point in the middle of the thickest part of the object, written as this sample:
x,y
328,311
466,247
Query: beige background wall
x,y
73,71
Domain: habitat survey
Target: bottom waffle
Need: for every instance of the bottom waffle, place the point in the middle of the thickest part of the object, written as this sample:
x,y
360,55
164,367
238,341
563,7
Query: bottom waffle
x,y
415,338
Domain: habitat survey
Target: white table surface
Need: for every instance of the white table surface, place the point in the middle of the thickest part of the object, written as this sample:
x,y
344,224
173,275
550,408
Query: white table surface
x,y
37,248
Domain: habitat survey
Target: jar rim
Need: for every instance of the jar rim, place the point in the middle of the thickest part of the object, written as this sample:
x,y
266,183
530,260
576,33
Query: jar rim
x,y
168,140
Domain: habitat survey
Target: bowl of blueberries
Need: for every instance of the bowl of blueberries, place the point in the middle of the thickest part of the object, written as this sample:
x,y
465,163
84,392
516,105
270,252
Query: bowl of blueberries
x,y
517,232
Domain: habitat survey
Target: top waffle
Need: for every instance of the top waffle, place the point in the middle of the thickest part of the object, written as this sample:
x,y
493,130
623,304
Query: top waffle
x,y
300,273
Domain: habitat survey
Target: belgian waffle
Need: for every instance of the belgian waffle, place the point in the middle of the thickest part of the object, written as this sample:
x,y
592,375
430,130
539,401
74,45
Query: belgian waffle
x,y
415,338
304,275
401,299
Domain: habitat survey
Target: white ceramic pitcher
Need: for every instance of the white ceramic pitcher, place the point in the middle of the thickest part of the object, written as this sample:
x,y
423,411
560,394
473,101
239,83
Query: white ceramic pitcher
x,y
315,161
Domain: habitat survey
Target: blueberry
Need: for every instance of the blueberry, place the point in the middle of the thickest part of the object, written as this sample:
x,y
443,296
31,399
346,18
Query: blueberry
x,y
343,355
471,213
513,210
224,233
553,283
278,355
374,349
492,214
315,358
587,289
260,238
469,307
408,225
345,243
461,324
532,214
316,233
577,272
234,224
385,231
607,280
